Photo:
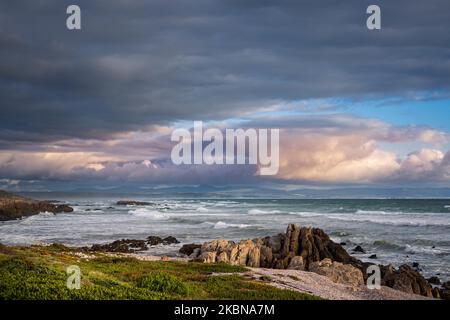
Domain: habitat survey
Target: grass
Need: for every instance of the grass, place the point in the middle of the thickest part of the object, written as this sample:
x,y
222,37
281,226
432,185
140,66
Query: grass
x,y
40,273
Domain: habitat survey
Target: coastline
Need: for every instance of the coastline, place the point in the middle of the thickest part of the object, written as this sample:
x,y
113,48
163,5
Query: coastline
x,y
117,276
302,252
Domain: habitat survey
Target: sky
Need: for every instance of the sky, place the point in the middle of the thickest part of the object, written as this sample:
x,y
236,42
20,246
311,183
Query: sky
x,y
97,106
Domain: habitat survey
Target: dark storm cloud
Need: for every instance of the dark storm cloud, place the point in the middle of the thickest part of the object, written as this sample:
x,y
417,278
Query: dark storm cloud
x,y
138,63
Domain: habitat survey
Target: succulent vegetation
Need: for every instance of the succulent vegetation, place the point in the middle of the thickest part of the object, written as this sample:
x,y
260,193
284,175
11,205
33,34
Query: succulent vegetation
x,y
39,272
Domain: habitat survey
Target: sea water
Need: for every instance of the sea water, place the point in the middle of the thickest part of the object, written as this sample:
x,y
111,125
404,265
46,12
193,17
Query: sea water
x,y
397,231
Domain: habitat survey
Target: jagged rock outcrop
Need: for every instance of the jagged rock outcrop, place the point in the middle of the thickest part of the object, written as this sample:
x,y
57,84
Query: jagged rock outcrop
x,y
15,207
279,251
310,249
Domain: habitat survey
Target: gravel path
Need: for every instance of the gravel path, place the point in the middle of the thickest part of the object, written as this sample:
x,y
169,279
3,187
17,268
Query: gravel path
x,y
322,286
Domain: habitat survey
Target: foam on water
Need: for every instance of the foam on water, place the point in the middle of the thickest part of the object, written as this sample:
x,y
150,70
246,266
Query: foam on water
x,y
224,225
146,213
259,211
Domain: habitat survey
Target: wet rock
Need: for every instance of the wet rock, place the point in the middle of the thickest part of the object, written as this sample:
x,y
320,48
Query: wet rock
x,y
189,248
155,240
416,266
170,240
373,256
343,243
122,246
132,203
434,280
358,249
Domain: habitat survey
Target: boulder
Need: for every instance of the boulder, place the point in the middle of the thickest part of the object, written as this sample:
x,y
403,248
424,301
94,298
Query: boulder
x,y
170,240
358,249
338,272
405,279
155,240
189,248
434,280
296,263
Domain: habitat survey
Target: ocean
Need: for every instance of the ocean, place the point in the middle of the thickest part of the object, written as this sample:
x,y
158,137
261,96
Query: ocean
x,y
397,231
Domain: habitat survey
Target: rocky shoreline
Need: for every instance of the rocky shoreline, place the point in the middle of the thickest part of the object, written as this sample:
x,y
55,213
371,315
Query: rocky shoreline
x,y
14,207
311,249
303,249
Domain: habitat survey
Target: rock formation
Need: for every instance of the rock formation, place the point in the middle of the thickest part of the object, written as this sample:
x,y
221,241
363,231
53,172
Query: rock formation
x,y
132,245
309,249
15,207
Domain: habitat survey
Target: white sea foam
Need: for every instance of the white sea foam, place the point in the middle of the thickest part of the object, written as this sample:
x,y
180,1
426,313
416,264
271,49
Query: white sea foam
x,y
380,212
146,213
224,225
259,211
391,220
306,214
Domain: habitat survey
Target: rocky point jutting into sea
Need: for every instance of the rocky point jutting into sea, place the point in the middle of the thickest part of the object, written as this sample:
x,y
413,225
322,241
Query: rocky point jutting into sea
x,y
16,207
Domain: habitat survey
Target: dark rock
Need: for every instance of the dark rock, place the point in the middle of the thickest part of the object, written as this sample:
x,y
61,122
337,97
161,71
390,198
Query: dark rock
x,y
444,293
154,240
358,249
373,256
132,203
405,279
415,265
433,247
16,207
434,280
343,243
188,249
122,246
436,293
62,208
170,240
446,285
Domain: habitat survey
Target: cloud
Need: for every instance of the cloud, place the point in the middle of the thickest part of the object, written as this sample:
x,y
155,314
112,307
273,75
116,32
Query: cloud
x,y
136,64
315,149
